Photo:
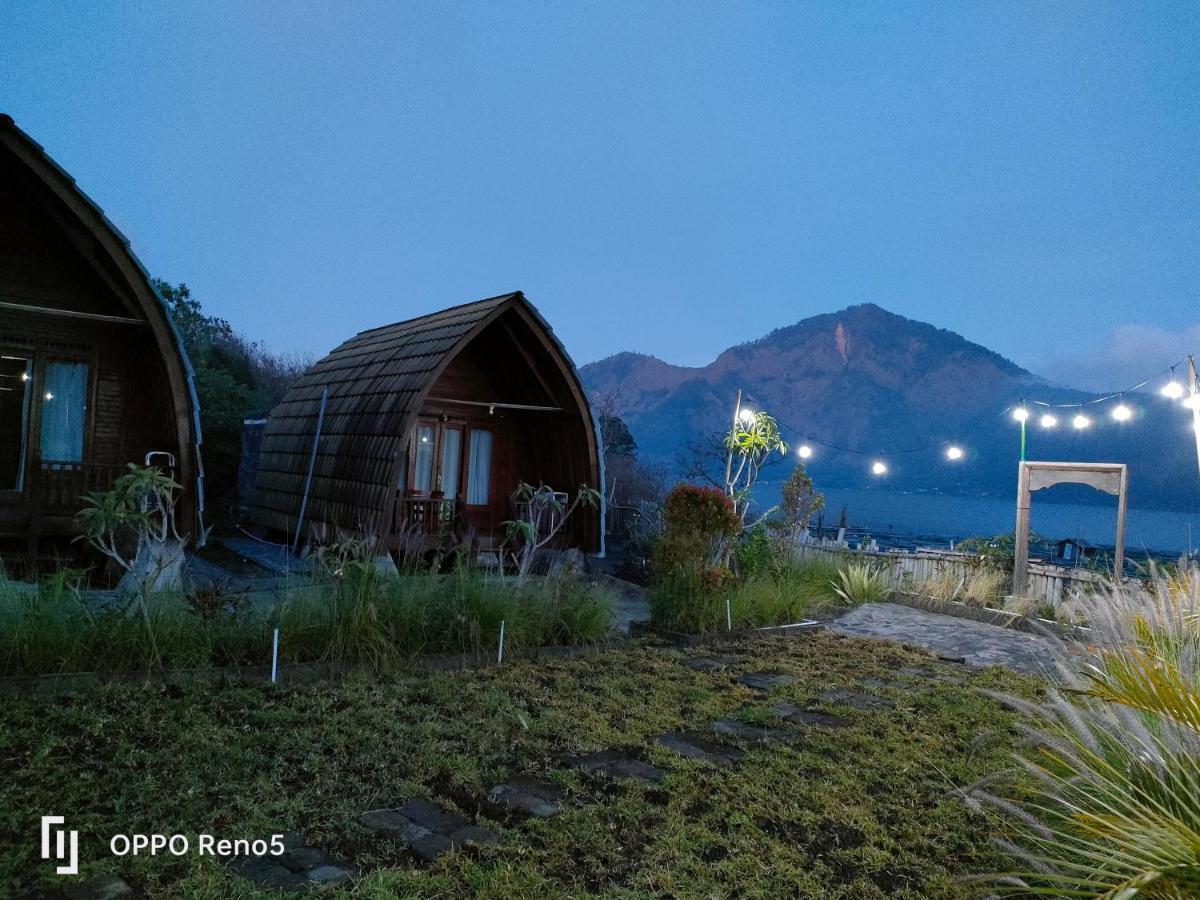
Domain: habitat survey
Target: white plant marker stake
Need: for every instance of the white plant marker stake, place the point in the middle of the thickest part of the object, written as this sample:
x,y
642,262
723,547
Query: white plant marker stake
x,y
500,652
728,614
275,657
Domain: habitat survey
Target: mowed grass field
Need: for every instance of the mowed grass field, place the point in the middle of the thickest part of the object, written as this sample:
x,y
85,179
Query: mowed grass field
x,y
867,810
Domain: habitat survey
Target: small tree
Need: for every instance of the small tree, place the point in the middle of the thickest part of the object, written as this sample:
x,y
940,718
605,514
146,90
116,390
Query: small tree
x,y
751,441
542,517
801,501
139,508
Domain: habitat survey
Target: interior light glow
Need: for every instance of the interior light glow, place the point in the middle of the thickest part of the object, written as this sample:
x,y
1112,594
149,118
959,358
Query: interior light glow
x,y
49,396
1048,421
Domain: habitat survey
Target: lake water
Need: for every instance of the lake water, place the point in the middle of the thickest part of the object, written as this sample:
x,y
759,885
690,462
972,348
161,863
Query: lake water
x,y
951,517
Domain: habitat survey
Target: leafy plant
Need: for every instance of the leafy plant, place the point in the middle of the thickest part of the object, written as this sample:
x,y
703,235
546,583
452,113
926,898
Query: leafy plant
x,y
750,442
860,583
139,506
801,501
542,517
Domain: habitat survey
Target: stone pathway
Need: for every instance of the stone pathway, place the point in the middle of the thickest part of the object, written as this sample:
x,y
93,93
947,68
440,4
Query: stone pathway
x,y
976,643
426,829
698,746
765,682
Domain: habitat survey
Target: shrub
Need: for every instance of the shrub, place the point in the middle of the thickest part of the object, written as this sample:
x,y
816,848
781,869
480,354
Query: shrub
x,y
698,522
860,583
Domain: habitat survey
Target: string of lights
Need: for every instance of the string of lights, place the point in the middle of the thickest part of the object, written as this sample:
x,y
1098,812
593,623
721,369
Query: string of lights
x,y
1021,412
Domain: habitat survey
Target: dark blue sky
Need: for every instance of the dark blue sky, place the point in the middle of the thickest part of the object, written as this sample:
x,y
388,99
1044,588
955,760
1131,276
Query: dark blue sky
x,y
670,178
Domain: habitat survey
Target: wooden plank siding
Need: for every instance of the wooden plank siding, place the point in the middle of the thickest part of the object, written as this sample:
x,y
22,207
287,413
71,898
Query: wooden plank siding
x,y
382,381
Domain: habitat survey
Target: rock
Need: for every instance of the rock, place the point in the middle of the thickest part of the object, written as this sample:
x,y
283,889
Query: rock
x,y
102,887
710,663
528,796
739,729
329,874
855,700
694,746
765,681
615,765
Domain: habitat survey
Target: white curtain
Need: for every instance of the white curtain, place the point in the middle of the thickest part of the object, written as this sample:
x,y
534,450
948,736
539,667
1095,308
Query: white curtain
x,y
480,469
64,408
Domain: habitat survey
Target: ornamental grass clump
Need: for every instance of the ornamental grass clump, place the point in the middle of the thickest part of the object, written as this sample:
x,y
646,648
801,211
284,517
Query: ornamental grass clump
x,y
1115,809
860,583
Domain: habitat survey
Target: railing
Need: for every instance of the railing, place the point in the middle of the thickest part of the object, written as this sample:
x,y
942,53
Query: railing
x,y
60,486
426,515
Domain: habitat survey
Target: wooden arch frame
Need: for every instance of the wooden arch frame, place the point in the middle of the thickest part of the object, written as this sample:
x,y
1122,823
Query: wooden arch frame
x,y
1111,478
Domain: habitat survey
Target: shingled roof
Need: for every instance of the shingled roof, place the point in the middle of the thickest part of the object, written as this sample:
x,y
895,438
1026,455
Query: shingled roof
x,y
377,382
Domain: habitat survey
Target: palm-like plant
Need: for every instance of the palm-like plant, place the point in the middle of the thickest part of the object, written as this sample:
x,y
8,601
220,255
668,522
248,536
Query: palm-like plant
x,y
1116,807
860,583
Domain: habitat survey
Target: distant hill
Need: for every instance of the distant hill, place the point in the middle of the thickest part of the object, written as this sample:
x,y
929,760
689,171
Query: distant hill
x,y
868,380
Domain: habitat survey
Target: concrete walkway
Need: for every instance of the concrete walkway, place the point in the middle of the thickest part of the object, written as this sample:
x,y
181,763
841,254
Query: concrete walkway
x,y
978,643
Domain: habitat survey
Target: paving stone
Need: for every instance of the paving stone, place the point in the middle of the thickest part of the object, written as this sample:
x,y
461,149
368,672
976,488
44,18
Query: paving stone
x,y
265,872
739,729
765,681
430,815
616,765
696,746
855,699
711,663
915,672
329,874
875,683
305,858
427,829
529,796
102,887
789,712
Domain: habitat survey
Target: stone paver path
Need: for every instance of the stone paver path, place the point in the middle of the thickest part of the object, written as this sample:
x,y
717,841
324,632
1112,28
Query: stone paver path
x,y
855,699
978,643
789,712
426,829
747,732
528,796
711,663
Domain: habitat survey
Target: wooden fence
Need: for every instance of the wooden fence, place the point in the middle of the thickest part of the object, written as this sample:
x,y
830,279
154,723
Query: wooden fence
x,y
906,570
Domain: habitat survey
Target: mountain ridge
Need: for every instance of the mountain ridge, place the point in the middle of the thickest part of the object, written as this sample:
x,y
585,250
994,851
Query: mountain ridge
x,y
871,381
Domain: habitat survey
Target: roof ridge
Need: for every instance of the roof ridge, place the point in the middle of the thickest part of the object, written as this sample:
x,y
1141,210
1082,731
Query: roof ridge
x,y
442,312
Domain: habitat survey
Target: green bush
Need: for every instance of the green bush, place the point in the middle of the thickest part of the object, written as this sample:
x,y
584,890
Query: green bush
x,y
860,583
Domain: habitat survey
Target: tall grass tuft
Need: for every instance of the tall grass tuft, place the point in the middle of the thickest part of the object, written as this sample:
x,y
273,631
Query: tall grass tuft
x,y
1115,811
860,583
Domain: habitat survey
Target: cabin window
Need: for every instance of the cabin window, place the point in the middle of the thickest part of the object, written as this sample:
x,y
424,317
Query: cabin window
x,y
479,474
64,407
423,461
448,476
16,373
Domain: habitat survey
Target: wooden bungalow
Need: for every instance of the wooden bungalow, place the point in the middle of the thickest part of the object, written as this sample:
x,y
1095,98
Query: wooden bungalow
x,y
427,427
92,371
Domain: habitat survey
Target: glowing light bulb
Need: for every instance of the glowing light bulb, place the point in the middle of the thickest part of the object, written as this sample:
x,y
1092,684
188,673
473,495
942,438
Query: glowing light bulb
x,y
49,396
24,376
953,452
1048,421
1081,421
745,415
1172,390
1122,413
1020,414
804,451
878,468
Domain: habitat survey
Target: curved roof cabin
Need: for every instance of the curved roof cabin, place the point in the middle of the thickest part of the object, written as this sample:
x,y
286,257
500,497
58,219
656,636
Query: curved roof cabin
x,y
430,424
92,372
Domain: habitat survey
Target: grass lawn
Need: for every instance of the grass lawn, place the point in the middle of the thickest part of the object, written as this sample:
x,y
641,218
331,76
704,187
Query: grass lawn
x,y
864,811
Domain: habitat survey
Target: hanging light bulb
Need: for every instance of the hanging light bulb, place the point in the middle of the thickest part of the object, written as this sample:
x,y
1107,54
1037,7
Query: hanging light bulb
x,y
1122,413
1020,414
804,451
1172,390
953,452
1048,421
1081,421
745,415
878,468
